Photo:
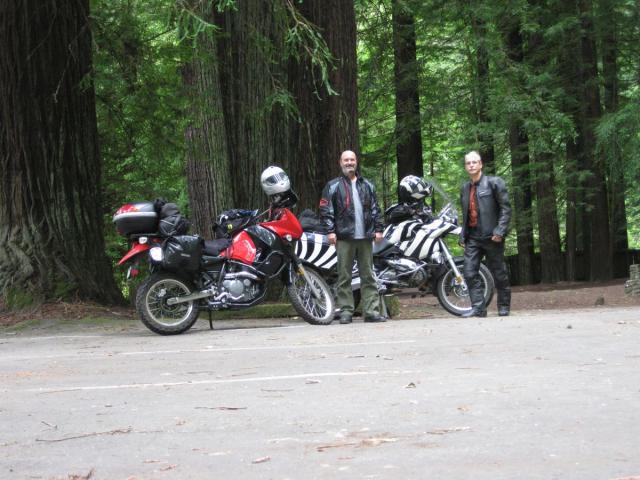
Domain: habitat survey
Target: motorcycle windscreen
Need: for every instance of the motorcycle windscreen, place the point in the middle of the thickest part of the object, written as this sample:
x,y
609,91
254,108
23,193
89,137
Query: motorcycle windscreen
x,y
287,224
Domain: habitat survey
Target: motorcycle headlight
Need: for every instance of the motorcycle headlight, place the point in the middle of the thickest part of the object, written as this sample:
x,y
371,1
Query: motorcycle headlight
x,y
156,254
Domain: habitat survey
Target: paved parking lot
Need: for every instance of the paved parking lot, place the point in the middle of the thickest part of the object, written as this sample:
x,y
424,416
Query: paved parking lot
x,y
538,395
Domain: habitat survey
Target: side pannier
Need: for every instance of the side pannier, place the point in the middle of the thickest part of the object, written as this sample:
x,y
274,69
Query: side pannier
x,y
182,253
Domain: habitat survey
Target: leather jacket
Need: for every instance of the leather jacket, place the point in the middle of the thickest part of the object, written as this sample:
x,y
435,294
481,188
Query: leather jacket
x,y
336,208
494,208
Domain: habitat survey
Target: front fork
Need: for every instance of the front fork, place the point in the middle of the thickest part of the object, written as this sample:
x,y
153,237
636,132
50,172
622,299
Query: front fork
x,y
297,267
459,278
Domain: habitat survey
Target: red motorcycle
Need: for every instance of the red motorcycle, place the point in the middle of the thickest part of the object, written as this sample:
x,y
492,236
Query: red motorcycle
x,y
189,274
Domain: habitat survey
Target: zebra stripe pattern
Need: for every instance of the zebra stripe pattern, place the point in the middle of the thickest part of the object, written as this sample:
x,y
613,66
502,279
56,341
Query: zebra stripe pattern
x,y
314,248
419,240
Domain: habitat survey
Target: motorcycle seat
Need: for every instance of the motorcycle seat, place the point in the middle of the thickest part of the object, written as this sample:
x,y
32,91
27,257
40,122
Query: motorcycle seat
x,y
214,247
382,246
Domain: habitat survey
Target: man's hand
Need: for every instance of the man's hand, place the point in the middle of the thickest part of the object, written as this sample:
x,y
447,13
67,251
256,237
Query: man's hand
x,y
496,238
378,237
332,238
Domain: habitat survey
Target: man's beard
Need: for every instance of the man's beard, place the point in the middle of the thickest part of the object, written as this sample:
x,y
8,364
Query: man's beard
x,y
348,170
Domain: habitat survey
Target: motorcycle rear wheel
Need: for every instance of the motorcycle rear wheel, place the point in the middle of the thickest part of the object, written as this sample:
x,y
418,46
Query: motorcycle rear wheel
x,y
316,311
156,314
455,298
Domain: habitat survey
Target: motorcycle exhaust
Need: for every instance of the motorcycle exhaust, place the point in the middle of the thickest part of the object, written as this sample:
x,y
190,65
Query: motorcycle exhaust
x,y
194,296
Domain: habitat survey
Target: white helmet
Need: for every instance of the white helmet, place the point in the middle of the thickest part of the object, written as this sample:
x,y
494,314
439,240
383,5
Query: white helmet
x,y
274,180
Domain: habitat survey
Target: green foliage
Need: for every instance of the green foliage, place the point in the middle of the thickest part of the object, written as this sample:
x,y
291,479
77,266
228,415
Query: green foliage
x,y
140,105
15,299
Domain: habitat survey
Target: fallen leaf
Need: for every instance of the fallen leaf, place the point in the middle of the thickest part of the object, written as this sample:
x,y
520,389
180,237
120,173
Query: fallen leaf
x,y
374,442
262,459
443,431
221,408
81,477
322,448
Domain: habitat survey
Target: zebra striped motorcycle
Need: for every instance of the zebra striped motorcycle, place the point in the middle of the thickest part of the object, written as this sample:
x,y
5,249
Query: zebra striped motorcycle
x,y
412,254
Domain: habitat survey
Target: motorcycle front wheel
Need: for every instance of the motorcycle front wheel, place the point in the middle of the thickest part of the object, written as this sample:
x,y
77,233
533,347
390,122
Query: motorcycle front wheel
x,y
454,297
316,311
156,314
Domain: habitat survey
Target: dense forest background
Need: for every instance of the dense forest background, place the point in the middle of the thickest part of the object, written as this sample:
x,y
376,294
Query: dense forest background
x,y
104,102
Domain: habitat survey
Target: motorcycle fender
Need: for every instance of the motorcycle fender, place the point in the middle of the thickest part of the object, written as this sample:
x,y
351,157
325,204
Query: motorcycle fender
x,y
137,249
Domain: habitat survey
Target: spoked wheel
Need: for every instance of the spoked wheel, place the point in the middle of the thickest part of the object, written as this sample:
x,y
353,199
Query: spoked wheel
x,y
315,310
454,296
154,310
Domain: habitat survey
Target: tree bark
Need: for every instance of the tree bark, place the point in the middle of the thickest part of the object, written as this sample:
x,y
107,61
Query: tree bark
x,y
408,130
551,265
520,170
484,125
208,168
596,191
248,74
551,269
616,176
50,208
570,79
328,122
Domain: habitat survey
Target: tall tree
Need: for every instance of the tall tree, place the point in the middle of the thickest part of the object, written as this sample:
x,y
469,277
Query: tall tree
x,y
264,93
209,173
328,116
609,25
481,93
408,125
551,269
570,76
520,165
596,187
50,208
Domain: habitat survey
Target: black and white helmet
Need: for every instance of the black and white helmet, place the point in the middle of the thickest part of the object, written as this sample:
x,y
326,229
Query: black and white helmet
x,y
413,188
274,180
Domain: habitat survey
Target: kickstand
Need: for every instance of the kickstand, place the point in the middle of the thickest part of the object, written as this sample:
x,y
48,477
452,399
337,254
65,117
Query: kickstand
x,y
210,321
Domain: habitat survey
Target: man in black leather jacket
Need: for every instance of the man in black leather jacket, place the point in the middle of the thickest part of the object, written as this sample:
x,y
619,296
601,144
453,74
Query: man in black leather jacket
x,y
486,213
349,211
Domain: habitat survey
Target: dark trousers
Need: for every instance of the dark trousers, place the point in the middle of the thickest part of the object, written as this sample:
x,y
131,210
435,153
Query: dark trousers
x,y
474,250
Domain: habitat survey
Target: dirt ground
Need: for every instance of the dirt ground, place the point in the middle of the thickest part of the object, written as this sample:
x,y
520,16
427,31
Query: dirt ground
x,y
561,295
413,304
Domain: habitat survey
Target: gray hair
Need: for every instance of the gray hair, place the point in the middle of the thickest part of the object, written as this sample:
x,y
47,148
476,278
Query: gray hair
x,y
472,155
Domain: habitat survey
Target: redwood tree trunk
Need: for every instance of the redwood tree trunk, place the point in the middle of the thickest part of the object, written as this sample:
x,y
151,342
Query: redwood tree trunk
x,y
408,124
520,170
617,184
50,207
551,265
596,187
571,78
484,126
234,132
329,123
551,269
209,181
